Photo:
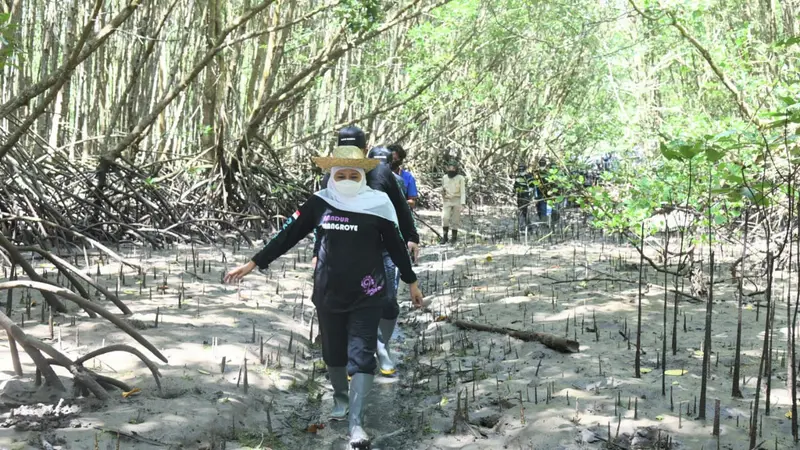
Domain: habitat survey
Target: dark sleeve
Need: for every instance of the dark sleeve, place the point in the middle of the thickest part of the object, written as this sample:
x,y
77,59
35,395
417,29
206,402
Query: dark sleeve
x,y
382,179
317,244
402,183
397,249
294,229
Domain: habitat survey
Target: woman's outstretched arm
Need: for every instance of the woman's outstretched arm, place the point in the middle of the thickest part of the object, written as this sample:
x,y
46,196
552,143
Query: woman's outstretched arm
x,y
296,227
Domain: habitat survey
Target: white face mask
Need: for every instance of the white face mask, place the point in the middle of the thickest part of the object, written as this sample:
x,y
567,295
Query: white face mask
x,y
348,188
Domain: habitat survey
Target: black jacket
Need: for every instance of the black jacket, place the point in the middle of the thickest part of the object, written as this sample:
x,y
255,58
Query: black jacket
x,y
350,273
383,179
524,185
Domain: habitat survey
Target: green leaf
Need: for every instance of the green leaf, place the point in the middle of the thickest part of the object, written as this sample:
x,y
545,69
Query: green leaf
x,y
776,123
714,154
725,135
761,200
787,101
788,42
669,153
689,151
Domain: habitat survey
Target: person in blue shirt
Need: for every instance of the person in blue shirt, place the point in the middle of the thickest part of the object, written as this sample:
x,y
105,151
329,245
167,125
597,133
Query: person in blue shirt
x,y
410,183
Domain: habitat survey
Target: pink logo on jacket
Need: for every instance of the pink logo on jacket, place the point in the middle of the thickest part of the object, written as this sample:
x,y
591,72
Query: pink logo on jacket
x,y
370,286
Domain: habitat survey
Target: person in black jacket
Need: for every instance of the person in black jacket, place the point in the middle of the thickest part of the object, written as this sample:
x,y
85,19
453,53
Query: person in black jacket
x,y
354,224
523,187
385,156
386,364
383,179
542,189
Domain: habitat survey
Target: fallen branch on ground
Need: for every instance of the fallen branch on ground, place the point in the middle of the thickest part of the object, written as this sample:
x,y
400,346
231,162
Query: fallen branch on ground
x,y
586,280
548,340
689,296
132,435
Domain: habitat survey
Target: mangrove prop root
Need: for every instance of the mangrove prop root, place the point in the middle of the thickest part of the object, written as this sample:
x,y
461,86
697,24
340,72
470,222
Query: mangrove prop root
x,y
83,303
84,378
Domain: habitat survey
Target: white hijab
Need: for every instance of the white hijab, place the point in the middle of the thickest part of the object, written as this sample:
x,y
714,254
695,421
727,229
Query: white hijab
x,y
367,201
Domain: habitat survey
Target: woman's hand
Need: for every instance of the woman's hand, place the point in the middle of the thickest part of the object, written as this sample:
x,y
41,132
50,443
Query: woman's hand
x,y
416,295
314,262
236,275
413,249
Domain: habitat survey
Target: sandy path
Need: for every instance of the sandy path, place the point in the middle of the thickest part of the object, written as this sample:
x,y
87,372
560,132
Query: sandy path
x,y
532,288
201,406
520,286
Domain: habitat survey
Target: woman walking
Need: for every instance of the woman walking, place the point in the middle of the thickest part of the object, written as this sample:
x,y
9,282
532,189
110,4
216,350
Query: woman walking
x,y
355,224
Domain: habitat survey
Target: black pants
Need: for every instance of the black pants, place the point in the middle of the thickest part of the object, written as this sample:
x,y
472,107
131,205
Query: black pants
x,y
522,210
350,339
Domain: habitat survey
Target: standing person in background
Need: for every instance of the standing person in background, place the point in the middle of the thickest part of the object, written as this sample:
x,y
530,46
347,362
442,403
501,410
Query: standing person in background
x,y
454,198
541,190
409,182
523,187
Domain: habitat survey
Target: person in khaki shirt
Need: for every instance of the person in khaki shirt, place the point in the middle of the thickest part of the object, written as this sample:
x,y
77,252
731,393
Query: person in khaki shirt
x,y
454,197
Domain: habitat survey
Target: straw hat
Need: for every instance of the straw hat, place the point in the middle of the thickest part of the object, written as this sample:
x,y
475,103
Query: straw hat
x,y
346,156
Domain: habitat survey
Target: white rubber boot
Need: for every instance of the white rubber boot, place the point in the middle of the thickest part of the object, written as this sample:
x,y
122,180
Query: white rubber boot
x,y
360,386
385,362
341,398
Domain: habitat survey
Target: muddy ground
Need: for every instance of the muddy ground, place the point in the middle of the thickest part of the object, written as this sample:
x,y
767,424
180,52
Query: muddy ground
x,y
518,395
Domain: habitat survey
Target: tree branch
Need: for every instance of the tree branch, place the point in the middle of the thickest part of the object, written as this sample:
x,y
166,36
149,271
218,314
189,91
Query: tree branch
x,y
35,90
144,123
744,109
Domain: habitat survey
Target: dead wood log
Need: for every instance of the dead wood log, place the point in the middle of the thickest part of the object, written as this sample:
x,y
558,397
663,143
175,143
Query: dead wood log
x,y
69,295
586,280
132,435
688,296
548,340
419,219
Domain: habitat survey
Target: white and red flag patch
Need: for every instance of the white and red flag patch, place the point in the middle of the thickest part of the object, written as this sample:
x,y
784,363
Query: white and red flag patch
x,y
296,214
